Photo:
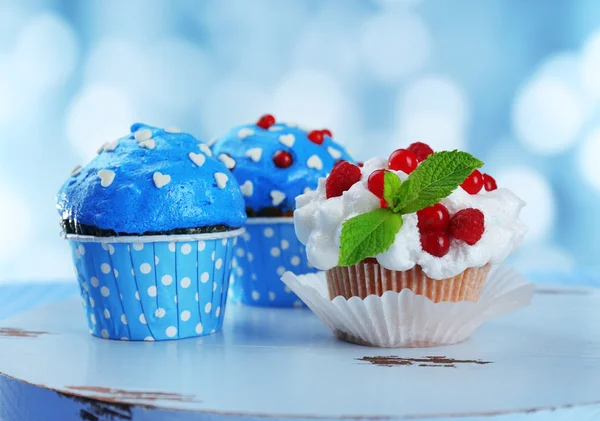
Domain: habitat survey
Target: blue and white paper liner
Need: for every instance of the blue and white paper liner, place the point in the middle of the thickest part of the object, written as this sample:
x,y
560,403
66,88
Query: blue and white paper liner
x,y
267,249
154,287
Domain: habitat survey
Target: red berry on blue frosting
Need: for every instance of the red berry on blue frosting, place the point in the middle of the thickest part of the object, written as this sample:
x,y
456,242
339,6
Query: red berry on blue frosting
x,y
375,185
489,183
473,183
283,159
433,218
316,136
265,121
421,150
435,243
467,225
327,132
403,160
343,176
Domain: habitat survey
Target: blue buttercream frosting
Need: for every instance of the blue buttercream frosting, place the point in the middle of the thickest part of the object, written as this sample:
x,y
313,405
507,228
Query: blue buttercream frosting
x,y
152,180
265,185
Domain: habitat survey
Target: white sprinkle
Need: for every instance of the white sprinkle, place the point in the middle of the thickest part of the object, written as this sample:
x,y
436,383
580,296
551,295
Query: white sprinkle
x,y
247,188
254,154
315,162
277,197
148,144
106,177
287,139
221,179
197,158
245,132
172,130
142,135
227,160
204,148
161,180
335,154
111,146
76,170
101,148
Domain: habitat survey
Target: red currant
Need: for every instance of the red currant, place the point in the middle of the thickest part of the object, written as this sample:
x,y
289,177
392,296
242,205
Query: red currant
x,y
283,159
433,218
327,132
489,183
316,136
343,176
473,183
421,150
467,225
435,243
403,160
360,164
266,121
375,185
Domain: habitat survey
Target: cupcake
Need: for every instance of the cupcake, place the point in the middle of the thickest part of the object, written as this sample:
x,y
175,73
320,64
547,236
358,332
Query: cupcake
x,y
408,242
273,163
152,222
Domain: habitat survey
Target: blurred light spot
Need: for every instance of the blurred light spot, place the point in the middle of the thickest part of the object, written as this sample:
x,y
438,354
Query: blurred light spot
x,y
590,64
17,224
589,159
394,45
540,255
533,188
96,115
547,116
53,263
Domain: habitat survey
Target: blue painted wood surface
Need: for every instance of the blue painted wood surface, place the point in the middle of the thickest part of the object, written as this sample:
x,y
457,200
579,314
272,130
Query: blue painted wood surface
x,y
542,363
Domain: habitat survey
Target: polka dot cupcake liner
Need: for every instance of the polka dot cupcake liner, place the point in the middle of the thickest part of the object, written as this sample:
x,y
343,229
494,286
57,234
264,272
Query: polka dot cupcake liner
x,y
267,249
154,288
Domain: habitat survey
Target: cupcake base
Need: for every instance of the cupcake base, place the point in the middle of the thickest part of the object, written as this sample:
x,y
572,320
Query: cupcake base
x,y
369,278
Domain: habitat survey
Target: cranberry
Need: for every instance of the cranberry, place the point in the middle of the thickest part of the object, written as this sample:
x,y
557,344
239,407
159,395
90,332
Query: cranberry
x,y
283,159
327,132
433,218
266,121
467,225
316,136
343,176
473,183
360,164
421,150
435,243
489,183
403,160
375,185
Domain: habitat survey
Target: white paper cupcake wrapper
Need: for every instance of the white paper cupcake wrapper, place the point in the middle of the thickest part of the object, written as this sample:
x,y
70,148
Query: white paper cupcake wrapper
x,y
404,320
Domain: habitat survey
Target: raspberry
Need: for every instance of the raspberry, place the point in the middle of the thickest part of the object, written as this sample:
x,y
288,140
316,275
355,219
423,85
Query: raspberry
x,y
433,218
375,185
316,136
467,225
489,183
327,132
421,150
265,121
435,243
343,176
283,159
473,183
403,160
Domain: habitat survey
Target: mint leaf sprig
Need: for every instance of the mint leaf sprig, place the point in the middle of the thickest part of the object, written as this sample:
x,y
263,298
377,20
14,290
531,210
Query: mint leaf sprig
x,y
373,233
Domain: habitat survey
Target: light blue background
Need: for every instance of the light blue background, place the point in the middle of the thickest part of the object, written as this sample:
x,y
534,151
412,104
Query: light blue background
x,y
516,83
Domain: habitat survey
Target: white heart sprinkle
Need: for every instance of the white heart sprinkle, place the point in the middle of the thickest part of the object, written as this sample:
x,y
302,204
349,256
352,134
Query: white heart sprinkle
x,y
101,148
111,146
245,132
247,188
227,160
335,154
278,197
287,139
254,154
315,162
148,144
161,180
221,179
172,130
76,170
106,177
204,148
212,141
142,135
197,158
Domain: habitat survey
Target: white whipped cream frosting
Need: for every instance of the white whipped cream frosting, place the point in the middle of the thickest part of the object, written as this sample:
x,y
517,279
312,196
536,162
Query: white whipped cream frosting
x,y
318,222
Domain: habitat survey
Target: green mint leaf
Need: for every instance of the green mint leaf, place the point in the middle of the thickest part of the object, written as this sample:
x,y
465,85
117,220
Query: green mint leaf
x,y
391,188
437,177
368,235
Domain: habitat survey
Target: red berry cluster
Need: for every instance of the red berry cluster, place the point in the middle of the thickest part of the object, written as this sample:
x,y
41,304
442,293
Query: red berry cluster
x,y
437,227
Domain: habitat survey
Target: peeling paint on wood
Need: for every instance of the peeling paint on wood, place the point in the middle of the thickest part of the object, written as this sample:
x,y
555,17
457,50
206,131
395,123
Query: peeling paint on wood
x,y
430,361
12,332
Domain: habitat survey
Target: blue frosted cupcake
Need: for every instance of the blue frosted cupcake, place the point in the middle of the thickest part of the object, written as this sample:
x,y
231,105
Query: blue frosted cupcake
x,y
152,221
273,163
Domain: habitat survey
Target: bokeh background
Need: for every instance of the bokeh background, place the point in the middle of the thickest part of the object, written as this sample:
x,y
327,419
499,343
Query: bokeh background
x,y
516,83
